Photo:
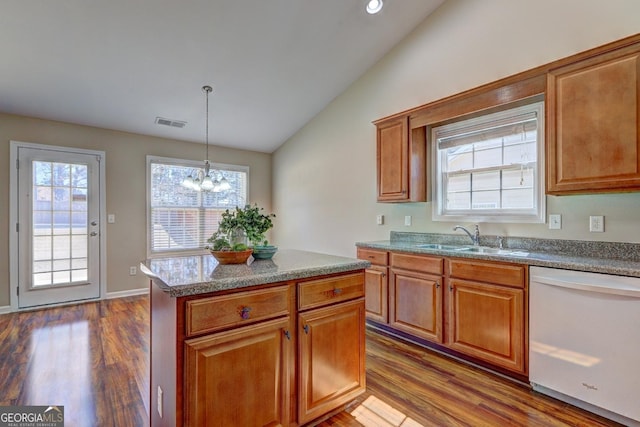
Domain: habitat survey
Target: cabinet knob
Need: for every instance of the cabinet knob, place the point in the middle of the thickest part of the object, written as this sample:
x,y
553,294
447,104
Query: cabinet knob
x,y
337,291
244,313
287,334
306,329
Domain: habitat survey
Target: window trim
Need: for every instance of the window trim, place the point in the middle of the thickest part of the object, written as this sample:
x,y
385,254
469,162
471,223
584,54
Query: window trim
x,y
506,216
196,164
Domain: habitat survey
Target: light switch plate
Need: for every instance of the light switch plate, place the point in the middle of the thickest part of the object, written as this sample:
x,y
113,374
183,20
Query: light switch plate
x,y
555,222
596,224
380,219
111,219
407,220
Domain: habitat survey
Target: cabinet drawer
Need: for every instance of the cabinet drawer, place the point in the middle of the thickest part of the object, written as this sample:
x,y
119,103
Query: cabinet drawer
x,y
424,264
500,274
374,256
316,293
224,311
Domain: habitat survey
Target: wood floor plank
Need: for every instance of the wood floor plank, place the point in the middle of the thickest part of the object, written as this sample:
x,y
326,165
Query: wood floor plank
x,y
93,358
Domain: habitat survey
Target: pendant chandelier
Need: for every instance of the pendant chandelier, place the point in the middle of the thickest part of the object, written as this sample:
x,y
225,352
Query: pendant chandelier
x,y
203,180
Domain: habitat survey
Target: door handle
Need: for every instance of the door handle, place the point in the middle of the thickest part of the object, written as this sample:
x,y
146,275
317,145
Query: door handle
x,y
93,234
94,223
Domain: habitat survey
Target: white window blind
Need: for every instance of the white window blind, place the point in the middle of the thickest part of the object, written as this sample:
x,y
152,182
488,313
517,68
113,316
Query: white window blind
x,y
488,168
182,219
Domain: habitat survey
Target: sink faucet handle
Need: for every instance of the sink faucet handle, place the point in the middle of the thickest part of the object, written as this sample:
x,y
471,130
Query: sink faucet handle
x,y
499,242
476,236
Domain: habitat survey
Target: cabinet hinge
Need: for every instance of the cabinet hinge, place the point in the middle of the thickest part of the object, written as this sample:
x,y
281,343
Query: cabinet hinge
x,y
17,227
18,290
17,163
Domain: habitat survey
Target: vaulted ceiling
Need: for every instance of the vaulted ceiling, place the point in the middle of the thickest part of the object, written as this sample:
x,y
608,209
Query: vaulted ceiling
x,y
119,64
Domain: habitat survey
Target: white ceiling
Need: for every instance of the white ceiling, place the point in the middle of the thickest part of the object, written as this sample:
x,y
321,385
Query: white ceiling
x,y
117,64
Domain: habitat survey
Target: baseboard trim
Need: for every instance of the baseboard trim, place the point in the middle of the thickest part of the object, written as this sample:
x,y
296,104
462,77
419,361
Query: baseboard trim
x,y
6,309
131,293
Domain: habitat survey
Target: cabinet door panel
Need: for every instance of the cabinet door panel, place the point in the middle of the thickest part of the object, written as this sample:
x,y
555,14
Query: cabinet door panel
x,y
393,160
487,322
416,304
593,127
376,298
331,357
228,372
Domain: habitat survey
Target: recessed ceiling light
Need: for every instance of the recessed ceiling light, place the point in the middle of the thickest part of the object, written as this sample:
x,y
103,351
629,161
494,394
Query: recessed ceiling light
x,y
374,6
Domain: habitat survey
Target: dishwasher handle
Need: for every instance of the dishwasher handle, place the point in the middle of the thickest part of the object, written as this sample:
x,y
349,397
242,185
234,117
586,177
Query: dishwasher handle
x,y
589,287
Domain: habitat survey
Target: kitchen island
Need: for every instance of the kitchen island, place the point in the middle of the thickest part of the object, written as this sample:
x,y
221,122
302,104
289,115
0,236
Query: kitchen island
x,y
268,342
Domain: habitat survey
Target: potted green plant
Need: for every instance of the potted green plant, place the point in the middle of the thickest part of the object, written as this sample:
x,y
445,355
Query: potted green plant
x,y
256,224
236,228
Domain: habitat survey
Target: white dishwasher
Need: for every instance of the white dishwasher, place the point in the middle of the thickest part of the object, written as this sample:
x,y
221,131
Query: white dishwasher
x,y
584,331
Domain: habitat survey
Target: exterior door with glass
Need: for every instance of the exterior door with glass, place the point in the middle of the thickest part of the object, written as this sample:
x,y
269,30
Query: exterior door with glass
x,y
58,226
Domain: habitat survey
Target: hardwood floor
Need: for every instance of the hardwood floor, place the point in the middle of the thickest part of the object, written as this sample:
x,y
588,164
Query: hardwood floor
x,y
93,358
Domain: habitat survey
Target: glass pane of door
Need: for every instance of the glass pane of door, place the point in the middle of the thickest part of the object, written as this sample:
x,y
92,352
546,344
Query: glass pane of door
x,y
60,218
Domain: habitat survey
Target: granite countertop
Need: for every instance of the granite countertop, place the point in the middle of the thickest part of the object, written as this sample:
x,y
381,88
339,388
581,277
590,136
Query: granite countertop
x,y
199,274
600,257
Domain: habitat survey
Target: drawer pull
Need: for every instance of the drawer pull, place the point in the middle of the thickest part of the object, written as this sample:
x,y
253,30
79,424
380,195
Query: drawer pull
x,y
244,313
372,257
287,334
337,291
306,329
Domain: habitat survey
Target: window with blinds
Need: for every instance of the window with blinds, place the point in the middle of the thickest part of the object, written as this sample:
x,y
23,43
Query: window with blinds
x,y
489,168
182,219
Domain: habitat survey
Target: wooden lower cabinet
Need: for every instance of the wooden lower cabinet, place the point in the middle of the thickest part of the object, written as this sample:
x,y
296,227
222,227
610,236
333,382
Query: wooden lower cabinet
x,y
281,354
416,304
476,308
331,358
487,322
376,293
228,372
376,283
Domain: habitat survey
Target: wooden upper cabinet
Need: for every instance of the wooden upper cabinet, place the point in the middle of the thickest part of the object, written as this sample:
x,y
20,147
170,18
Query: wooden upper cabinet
x,y
401,161
593,124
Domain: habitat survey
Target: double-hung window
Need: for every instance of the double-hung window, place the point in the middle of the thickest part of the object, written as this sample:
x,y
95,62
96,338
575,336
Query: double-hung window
x,y
490,168
181,219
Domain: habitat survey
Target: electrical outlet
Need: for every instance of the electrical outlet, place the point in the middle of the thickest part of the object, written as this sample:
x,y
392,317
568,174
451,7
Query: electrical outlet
x,y
380,219
407,220
160,401
555,222
133,271
596,223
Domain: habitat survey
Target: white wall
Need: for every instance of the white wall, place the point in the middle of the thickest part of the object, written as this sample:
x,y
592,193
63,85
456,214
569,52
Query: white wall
x,y
324,177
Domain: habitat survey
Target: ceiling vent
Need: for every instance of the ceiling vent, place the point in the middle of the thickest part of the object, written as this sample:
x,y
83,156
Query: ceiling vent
x,y
171,123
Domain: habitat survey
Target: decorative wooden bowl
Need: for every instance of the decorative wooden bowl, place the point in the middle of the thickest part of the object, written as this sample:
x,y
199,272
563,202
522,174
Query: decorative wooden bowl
x,y
232,257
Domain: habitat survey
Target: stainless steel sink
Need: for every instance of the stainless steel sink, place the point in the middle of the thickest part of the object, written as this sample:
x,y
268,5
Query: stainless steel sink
x,y
438,246
495,251
473,249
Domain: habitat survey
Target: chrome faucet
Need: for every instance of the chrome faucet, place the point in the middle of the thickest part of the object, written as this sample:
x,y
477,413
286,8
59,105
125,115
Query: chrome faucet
x,y
475,237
